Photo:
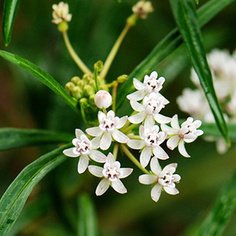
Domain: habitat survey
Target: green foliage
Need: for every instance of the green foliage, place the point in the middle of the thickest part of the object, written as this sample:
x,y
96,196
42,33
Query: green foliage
x,y
13,200
87,225
39,74
186,18
166,46
9,13
217,219
14,138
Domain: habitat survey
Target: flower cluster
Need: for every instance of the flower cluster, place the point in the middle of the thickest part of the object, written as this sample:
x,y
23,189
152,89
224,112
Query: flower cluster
x,y
60,13
192,101
145,130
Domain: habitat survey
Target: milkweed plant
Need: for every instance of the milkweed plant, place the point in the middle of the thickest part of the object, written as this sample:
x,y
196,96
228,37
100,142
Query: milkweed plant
x,y
126,130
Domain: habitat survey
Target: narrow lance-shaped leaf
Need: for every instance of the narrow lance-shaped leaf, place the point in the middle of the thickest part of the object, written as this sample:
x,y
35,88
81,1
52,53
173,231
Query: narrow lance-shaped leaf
x,y
164,48
15,138
9,13
13,200
39,74
87,224
186,18
219,216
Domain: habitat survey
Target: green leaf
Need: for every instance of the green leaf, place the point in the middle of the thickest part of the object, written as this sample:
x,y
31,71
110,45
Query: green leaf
x,y
187,21
13,200
39,74
9,12
219,216
87,225
15,138
164,48
210,129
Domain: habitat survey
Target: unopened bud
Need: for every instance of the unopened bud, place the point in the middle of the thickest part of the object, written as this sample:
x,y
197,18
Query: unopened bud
x,y
103,99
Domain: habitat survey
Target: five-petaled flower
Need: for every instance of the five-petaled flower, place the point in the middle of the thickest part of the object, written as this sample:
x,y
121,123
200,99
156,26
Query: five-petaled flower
x,y
148,110
162,179
150,85
150,142
111,173
187,133
60,13
108,128
85,149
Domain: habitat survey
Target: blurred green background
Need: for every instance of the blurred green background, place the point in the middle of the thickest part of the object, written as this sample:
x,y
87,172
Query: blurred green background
x,y
25,103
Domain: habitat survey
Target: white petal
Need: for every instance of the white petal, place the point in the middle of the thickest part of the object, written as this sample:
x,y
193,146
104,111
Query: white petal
x,y
155,166
138,85
136,144
161,119
105,141
170,168
96,170
97,156
101,116
102,187
124,172
149,122
145,156
119,136
137,118
118,186
147,179
182,149
78,133
189,138
82,164
171,191
175,122
173,142
94,131
136,106
69,152
121,122
110,158
160,153
176,177
156,192
154,75
168,129
96,142
136,96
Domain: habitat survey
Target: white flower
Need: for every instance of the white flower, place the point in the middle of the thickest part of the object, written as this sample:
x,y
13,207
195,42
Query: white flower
x,y
150,84
103,99
187,133
162,179
142,9
149,110
193,102
111,173
150,142
108,128
85,149
60,13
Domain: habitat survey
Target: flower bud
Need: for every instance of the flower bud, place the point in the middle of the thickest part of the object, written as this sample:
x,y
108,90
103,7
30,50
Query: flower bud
x,y
102,99
142,9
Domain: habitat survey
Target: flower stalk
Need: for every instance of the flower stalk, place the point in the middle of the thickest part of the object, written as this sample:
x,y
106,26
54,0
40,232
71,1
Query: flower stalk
x,y
132,158
74,55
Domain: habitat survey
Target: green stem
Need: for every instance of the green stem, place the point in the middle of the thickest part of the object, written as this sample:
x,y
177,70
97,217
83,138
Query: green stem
x,y
114,93
132,158
126,130
74,56
115,150
114,51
